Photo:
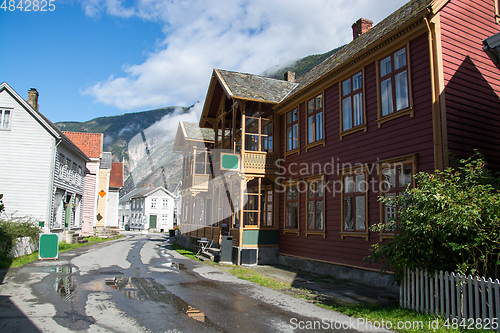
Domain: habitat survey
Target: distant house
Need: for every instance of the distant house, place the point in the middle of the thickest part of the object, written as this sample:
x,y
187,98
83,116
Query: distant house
x,y
103,180
91,144
112,204
148,209
316,153
196,145
41,169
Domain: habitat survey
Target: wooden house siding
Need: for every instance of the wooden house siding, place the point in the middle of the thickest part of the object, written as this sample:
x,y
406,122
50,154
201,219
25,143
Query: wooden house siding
x,y
90,198
471,79
398,137
102,185
26,149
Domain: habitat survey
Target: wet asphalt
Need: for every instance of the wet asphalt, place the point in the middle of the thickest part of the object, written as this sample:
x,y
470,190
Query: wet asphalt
x,y
139,284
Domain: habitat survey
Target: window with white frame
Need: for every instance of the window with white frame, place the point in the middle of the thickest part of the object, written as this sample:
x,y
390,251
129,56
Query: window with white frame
x,y
315,119
352,102
354,198
5,118
292,130
395,176
165,203
394,89
153,203
315,204
292,206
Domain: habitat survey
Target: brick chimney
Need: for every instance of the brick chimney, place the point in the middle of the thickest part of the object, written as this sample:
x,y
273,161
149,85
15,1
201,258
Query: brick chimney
x,y
289,76
360,27
33,98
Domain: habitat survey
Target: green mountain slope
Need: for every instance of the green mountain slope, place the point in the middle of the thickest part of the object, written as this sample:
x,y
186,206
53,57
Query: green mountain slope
x,y
304,65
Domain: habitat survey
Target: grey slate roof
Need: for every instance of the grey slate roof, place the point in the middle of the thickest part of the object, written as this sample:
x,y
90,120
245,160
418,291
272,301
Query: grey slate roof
x,y
255,87
193,131
404,14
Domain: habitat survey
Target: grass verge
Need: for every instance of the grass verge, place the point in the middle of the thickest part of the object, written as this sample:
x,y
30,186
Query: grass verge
x,y
63,246
409,321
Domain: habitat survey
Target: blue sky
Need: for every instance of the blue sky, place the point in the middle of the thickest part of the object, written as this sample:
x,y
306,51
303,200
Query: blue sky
x,y
96,58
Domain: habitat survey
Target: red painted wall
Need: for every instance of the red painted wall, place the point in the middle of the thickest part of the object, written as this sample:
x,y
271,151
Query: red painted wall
x,y
402,136
472,79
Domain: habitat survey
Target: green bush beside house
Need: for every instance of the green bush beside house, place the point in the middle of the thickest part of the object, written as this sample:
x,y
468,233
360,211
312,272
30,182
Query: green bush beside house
x,y
450,221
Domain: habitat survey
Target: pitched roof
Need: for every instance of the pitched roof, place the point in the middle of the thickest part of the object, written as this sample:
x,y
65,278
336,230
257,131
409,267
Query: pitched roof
x,y
254,87
143,192
89,143
404,14
193,131
43,121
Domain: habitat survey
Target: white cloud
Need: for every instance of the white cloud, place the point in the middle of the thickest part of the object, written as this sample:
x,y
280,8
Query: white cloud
x,y
245,36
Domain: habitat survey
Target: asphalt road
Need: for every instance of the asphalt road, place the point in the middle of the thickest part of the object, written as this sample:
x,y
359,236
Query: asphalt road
x,y
139,284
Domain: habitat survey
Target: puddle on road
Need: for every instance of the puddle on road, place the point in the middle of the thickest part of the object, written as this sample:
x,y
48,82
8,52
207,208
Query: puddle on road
x,y
66,287
179,266
147,289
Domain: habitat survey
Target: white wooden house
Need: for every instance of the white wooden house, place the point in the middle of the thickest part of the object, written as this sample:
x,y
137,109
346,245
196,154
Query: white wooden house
x,y
148,209
41,170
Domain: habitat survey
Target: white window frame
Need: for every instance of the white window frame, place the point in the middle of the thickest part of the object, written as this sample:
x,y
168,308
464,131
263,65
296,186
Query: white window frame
x,y
3,111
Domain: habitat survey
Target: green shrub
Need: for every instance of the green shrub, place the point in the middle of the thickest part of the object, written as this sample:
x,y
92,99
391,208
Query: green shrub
x,y
450,221
13,228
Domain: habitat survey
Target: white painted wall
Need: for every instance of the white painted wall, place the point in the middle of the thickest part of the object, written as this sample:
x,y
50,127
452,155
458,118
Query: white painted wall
x,y
111,219
26,161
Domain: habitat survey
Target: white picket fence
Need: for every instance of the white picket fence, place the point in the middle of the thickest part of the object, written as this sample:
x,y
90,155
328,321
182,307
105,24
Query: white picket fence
x,y
465,298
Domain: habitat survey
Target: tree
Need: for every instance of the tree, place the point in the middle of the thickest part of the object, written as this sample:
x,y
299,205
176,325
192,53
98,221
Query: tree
x,y
449,222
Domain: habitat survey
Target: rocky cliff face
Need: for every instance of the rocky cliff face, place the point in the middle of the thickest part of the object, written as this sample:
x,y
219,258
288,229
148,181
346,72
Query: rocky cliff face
x,y
143,142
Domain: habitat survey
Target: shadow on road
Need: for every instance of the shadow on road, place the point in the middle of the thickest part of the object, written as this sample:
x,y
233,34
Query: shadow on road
x,y
11,318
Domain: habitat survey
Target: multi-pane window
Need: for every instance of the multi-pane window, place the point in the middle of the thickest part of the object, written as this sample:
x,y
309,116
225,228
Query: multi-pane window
x,y
236,204
165,203
395,179
267,206
352,101
292,129
251,133
267,136
5,119
315,119
164,218
292,207
394,82
315,205
200,165
258,134
202,212
354,202
153,203
251,210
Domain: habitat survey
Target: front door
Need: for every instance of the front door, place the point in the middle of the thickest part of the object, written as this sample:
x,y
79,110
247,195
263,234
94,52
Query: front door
x,y
152,221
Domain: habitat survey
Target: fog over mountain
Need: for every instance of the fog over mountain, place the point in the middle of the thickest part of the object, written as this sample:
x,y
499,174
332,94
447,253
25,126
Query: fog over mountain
x,y
143,140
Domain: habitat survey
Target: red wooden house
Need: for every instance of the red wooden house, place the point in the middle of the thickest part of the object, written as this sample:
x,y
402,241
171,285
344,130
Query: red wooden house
x,y
397,100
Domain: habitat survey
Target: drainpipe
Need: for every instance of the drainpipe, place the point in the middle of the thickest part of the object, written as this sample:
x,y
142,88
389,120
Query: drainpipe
x,y
435,93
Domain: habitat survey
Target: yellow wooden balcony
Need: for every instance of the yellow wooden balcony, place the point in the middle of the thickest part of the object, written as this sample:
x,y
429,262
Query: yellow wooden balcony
x,y
259,162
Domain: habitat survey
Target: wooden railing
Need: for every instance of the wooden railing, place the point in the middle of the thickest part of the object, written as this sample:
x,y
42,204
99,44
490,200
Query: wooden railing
x,y
259,162
196,182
